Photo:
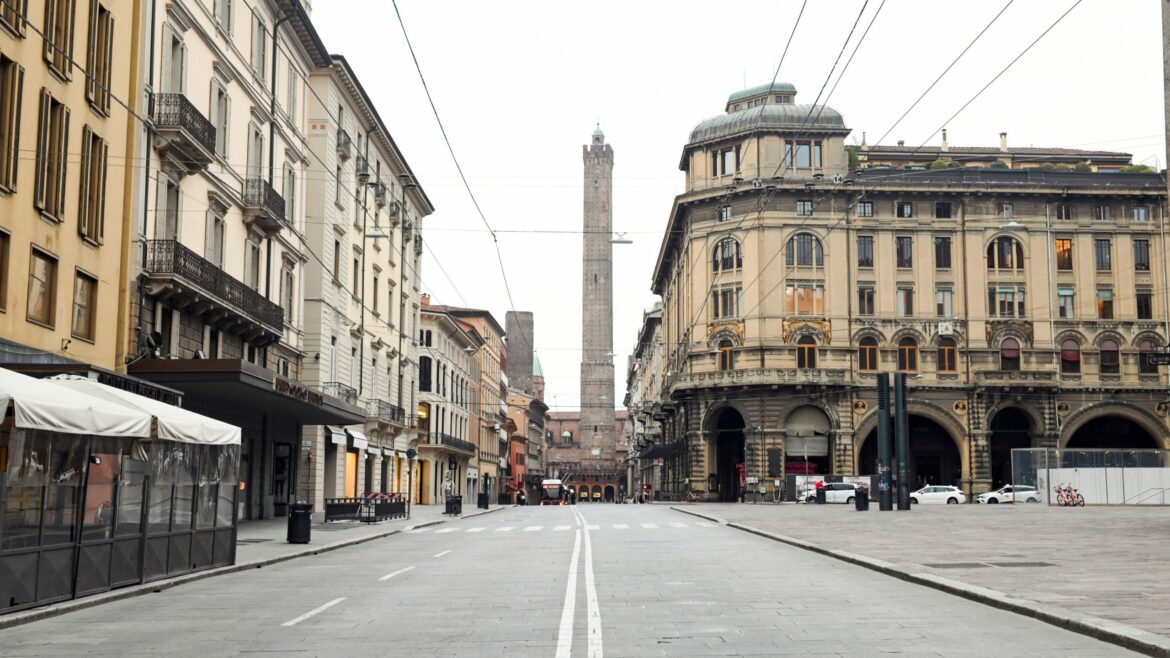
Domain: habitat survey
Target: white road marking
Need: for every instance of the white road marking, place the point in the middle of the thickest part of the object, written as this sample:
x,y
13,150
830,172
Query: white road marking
x,y
418,530
704,524
678,525
594,610
441,554
445,530
476,529
565,634
533,528
620,526
391,575
592,527
294,622
506,528
649,526
562,527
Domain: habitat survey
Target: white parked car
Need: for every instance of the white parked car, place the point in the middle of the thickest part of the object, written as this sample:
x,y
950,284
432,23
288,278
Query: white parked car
x,y
938,494
1009,494
835,492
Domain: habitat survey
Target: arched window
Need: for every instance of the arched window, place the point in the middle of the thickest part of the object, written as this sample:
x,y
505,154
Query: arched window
x,y
424,374
1005,253
806,352
804,250
1009,354
907,355
1070,357
1110,358
727,256
726,355
1145,349
948,355
867,354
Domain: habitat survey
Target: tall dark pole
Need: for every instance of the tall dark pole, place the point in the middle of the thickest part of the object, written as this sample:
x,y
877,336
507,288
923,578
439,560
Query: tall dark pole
x,y
902,440
884,446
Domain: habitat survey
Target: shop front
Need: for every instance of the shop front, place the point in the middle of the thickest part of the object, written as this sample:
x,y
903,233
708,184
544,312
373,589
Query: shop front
x,y
101,488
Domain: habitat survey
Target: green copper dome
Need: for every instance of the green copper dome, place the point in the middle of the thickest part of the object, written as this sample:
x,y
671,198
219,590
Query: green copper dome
x,y
774,117
773,88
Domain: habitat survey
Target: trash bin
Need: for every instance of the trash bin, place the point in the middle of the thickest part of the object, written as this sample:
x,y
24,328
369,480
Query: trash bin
x,y
300,519
820,495
861,500
454,505
482,503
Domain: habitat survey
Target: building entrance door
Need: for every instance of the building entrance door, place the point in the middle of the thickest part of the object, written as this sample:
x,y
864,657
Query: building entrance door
x,y
351,474
729,454
281,478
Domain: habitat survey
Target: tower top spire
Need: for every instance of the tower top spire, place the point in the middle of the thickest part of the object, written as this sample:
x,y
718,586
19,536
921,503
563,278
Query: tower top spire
x,y
598,136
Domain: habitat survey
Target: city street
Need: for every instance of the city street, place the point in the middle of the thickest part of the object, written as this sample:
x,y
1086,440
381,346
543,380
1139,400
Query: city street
x,y
613,580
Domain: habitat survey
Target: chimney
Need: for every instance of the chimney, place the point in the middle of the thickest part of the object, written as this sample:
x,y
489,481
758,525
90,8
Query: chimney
x,y
425,298
1003,142
945,147
901,142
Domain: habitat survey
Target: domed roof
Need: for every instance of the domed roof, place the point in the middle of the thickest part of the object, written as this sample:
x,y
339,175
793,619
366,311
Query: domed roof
x,y
770,117
773,88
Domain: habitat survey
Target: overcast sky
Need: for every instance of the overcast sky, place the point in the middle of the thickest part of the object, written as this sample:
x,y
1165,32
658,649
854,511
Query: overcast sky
x,y
520,85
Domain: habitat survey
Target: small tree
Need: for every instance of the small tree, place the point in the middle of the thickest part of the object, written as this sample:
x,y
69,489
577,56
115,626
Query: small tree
x,y
1138,169
998,164
944,163
854,159
1083,167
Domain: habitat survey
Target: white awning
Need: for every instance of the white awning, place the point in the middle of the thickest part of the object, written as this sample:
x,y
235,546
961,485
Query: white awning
x,y
386,452
43,405
172,423
359,439
336,434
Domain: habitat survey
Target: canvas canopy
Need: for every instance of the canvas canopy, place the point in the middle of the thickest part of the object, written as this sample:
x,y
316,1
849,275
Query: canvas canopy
x,y
40,404
172,423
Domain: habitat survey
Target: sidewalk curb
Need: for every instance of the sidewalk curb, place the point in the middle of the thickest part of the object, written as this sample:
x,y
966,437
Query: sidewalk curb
x,y
57,609
1129,637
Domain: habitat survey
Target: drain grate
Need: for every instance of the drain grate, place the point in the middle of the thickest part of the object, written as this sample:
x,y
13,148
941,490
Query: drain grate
x,y
957,565
1022,564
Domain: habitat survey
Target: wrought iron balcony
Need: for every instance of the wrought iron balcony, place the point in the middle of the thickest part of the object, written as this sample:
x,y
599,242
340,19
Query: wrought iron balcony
x,y
448,441
342,391
385,412
381,194
175,271
344,144
183,132
758,377
263,206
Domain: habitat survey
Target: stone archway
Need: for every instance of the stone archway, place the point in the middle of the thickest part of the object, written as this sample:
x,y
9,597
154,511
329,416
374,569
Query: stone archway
x,y
727,445
1011,428
609,493
934,454
806,444
1112,433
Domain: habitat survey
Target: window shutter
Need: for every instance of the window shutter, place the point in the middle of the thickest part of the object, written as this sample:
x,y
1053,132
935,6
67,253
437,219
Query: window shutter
x,y
83,209
164,82
17,94
51,8
91,54
160,210
100,197
42,150
209,238
182,68
62,163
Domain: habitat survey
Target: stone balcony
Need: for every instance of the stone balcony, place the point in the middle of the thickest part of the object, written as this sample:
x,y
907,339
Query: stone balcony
x,y
1044,378
182,133
759,377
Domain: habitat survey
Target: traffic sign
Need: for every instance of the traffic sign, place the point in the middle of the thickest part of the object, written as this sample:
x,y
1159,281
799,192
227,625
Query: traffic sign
x,y
1159,358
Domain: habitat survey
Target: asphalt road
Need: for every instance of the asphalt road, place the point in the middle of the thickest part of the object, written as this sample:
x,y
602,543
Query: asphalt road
x,y
585,580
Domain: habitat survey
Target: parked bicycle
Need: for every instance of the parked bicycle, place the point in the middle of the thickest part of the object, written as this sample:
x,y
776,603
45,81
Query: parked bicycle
x,y
1068,496
691,496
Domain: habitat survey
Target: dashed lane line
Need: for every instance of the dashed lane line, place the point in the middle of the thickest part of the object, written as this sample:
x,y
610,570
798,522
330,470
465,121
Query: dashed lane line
x,y
620,526
562,527
678,525
395,573
314,611
649,526
507,528
476,529
442,530
533,528
441,554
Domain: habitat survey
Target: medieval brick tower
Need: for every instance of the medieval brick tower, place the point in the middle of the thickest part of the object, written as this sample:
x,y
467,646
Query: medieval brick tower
x,y
597,404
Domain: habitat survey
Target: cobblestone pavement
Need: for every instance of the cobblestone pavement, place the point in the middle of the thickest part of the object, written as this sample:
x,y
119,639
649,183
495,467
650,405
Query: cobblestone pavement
x,y
597,580
1109,562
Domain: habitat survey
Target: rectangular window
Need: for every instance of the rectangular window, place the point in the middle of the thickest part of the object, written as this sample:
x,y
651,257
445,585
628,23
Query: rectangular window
x,y
224,14
804,208
11,88
374,296
288,291
865,304
1141,214
904,250
1064,255
14,16
865,251
221,110
357,273
1066,303
291,97
1064,211
944,302
1105,304
290,194
1145,304
337,260
804,250
728,161
91,214
84,305
724,213
259,45
942,210
59,35
942,252
1103,249
52,155
807,154
100,61
904,209
865,208
1101,213
805,298
216,234
727,302
1141,255
1005,302
905,301
337,196
1005,210
252,263
4,262
42,284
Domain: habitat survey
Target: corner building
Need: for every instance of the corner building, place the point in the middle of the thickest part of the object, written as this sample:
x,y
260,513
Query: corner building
x,y
1022,305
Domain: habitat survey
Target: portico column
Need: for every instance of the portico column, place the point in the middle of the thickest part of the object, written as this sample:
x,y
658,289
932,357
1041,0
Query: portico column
x,y
977,462
843,462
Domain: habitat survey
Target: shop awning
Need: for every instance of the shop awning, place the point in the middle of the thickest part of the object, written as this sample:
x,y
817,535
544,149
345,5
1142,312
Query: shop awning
x,y
387,452
336,435
171,423
44,405
360,442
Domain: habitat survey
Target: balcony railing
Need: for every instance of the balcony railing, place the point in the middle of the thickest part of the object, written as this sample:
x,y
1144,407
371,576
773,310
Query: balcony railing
x,y
343,391
182,127
264,205
438,438
168,257
759,377
344,144
385,411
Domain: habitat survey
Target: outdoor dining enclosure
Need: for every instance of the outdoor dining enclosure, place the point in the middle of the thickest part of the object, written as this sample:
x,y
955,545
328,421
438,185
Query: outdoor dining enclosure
x,y
101,488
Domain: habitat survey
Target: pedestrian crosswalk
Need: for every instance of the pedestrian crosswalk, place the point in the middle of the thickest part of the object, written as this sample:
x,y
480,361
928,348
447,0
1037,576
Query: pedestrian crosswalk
x,y
601,527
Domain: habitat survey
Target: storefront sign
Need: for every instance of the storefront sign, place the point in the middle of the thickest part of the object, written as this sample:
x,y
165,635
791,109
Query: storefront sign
x,y
299,391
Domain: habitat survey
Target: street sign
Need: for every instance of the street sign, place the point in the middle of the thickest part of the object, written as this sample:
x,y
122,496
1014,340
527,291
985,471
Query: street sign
x,y
1159,358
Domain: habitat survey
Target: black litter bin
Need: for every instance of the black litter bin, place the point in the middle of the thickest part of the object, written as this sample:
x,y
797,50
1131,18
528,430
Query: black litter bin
x,y
820,495
454,505
482,502
300,519
861,500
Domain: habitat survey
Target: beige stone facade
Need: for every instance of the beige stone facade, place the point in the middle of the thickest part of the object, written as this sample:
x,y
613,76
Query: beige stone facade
x,y
1021,304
